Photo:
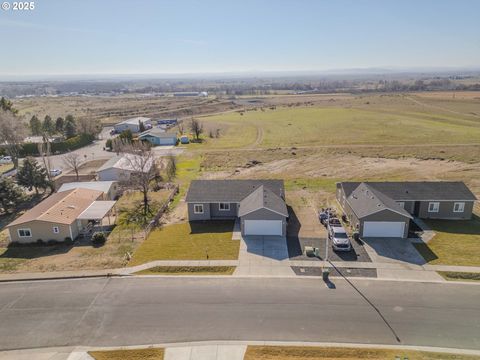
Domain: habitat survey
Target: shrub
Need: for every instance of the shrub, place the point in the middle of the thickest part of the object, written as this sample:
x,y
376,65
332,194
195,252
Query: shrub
x,y
68,240
98,238
40,242
52,242
76,142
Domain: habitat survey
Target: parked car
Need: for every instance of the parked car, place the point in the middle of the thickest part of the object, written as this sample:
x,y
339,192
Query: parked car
x,y
55,172
5,160
339,238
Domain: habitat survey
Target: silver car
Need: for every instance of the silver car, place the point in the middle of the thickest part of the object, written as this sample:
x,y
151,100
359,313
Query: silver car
x,y
339,238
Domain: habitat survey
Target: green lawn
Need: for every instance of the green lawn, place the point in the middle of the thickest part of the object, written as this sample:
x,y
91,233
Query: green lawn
x,y
130,354
339,353
331,126
189,241
456,242
459,276
188,270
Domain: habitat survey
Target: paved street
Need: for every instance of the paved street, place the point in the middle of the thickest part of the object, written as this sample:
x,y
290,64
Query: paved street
x,y
134,311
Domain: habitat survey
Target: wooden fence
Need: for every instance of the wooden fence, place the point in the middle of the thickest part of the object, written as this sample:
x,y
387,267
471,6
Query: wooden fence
x,y
154,223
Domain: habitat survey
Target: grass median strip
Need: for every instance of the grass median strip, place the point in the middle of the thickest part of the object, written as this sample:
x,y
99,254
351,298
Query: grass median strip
x,y
130,354
188,270
459,276
338,353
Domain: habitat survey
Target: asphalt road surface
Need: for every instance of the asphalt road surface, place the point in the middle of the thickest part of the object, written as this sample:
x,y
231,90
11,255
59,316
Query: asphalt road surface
x,y
134,311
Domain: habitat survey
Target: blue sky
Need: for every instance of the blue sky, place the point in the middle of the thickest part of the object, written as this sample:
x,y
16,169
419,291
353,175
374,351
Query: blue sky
x,y
146,36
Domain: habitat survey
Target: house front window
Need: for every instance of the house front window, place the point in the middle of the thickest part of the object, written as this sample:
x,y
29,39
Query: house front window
x,y
224,206
401,204
459,207
24,233
56,230
433,207
198,209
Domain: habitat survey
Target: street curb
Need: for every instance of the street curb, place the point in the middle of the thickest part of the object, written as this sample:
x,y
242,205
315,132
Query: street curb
x,y
70,277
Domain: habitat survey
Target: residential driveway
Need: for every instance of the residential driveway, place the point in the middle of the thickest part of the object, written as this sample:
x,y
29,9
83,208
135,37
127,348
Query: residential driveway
x,y
392,250
263,256
304,229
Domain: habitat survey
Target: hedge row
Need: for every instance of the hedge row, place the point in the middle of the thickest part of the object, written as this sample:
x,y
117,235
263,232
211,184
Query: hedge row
x,y
76,142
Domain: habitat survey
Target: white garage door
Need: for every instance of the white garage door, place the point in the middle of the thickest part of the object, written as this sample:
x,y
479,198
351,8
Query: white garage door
x,y
167,141
263,227
383,229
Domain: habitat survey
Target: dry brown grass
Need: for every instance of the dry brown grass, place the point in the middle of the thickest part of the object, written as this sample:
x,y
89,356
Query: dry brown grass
x,y
337,353
130,354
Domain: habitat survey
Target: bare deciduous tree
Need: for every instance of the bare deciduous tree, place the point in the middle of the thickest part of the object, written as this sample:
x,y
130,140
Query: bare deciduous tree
x,y
12,133
140,159
73,162
171,167
197,128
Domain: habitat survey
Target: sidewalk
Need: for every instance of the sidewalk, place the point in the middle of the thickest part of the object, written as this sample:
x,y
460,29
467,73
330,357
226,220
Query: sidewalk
x,y
256,264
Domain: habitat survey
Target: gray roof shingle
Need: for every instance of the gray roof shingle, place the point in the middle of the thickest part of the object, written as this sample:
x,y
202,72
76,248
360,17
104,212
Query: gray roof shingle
x,y
262,198
417,190
230,190
365,200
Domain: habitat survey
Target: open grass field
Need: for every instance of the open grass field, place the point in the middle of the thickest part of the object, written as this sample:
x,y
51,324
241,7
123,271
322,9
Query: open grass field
x,y
128,354
114,109
336,353
348,126
455,243
189,241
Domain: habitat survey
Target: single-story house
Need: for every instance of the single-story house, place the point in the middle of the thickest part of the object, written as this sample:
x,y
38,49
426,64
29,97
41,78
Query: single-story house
x,y
259,204
121,167
384,209
133,124
108,188
157,136
63,215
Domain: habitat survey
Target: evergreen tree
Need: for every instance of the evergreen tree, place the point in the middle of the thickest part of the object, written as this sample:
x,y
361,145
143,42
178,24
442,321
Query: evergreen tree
x,y
48,125
11,195
32,175
35,125
59,125
70,127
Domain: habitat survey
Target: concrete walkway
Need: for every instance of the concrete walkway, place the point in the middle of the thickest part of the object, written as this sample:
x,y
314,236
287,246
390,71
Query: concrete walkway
x,y
206,352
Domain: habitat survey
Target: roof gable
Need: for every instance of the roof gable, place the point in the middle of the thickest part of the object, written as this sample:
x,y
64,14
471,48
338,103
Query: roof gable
x,y
263,198
417,190
365,200
229,190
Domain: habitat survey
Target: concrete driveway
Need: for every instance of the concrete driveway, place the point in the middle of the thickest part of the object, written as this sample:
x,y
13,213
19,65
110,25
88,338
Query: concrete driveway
x,y
262,256
392,250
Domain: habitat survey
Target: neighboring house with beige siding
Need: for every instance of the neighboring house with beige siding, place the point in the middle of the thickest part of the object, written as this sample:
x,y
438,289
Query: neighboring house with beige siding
x,y
59,217
109,188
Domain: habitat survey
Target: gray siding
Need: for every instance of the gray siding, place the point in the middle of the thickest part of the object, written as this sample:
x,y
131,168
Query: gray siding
x,y
386,215
354,222
215,211
194,217
446,211
409,206
264,214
